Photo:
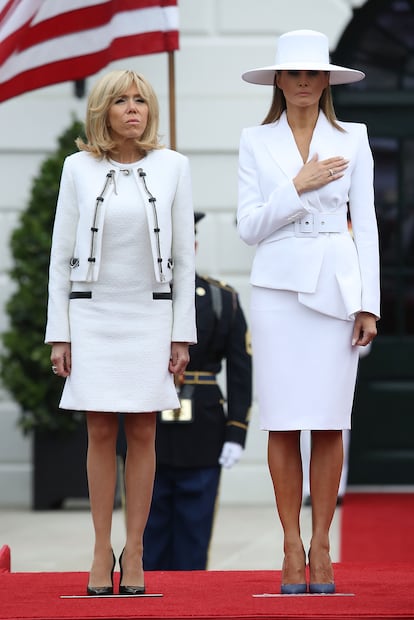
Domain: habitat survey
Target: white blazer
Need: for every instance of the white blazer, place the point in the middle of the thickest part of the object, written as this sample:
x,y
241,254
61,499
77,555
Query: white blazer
x,y
336,274
85,190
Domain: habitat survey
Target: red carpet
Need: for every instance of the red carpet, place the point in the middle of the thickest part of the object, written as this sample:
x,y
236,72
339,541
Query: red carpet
x,y
380,591
375,579
378,527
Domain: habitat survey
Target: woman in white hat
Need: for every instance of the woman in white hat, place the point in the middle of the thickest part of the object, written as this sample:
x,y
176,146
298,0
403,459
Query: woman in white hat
x,y
315,289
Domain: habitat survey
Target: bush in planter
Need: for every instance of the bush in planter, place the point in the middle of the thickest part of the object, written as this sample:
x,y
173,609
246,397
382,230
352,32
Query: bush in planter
x,y
25,360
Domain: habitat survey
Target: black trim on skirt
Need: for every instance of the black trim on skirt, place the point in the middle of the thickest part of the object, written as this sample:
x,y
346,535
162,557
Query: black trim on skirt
x,y
162,295
80,295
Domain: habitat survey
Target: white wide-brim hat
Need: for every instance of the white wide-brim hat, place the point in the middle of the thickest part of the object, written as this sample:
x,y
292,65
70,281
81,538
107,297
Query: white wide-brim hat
x,y
303,50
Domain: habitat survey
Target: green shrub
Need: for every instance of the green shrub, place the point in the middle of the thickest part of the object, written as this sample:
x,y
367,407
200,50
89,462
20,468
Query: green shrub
x,y
25,360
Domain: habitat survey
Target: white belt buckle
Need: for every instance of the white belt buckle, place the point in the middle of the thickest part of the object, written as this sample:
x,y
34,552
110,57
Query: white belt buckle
x,y
308,226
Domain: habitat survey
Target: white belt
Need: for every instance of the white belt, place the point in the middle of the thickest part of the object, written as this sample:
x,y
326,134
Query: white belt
x,y
316,223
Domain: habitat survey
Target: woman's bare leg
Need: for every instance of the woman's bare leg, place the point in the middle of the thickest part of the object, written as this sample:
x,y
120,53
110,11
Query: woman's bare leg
x,y
285,466
101,469
139,482
325,474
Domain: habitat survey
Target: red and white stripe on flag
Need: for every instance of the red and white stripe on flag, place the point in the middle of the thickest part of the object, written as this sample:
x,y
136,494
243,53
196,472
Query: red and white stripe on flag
x,y
44,42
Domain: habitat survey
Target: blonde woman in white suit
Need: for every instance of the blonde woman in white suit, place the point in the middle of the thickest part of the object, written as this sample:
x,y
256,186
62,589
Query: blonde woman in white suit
x,y
121,310
315,290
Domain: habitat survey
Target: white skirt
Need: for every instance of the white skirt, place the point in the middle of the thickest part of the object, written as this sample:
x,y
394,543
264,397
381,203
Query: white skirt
x,y
304,364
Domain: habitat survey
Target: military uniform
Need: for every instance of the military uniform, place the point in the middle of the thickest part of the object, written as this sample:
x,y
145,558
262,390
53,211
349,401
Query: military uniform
x,y
180,523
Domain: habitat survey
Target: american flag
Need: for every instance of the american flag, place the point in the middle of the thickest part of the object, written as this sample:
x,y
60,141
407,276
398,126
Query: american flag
x,y
44,42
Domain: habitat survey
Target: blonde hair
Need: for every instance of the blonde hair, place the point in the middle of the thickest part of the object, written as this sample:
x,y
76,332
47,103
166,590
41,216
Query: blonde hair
x,y
278,106
102,96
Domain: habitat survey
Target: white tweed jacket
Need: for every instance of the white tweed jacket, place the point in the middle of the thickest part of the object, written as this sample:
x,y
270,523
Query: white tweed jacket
x,y
85,190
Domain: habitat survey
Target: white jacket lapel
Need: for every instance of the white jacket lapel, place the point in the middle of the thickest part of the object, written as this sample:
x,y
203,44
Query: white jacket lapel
x,y
287,159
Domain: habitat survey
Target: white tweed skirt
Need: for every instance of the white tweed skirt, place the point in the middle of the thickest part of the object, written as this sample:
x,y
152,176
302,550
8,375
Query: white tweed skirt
x,y
304,364
121,346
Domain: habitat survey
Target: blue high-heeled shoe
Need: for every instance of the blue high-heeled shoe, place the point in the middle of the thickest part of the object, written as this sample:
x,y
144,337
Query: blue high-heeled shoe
x,y
128,590
103,590
322,588
293,588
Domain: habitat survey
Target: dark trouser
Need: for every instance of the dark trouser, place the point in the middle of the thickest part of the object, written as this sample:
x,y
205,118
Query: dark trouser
x,y
178,531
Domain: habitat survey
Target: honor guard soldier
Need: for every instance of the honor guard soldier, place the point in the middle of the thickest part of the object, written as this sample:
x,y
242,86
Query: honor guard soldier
x,y
195,441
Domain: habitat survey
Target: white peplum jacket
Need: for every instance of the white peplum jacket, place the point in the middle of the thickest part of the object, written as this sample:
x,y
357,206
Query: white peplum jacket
x,y
334,273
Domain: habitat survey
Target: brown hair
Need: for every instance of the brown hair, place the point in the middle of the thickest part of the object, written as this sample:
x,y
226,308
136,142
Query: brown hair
x,y
102,96
278,106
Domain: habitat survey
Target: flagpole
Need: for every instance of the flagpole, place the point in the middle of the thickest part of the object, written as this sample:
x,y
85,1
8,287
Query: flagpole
x,y
171,85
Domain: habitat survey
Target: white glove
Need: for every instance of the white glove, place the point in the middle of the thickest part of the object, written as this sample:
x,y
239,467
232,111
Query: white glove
x,y
230,454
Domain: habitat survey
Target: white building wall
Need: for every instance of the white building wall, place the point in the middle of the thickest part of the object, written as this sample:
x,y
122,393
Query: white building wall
x,y
219,39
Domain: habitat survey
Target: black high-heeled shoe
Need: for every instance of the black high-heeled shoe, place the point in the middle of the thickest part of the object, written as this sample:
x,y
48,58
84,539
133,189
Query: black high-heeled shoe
x,y
103,590
128,590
